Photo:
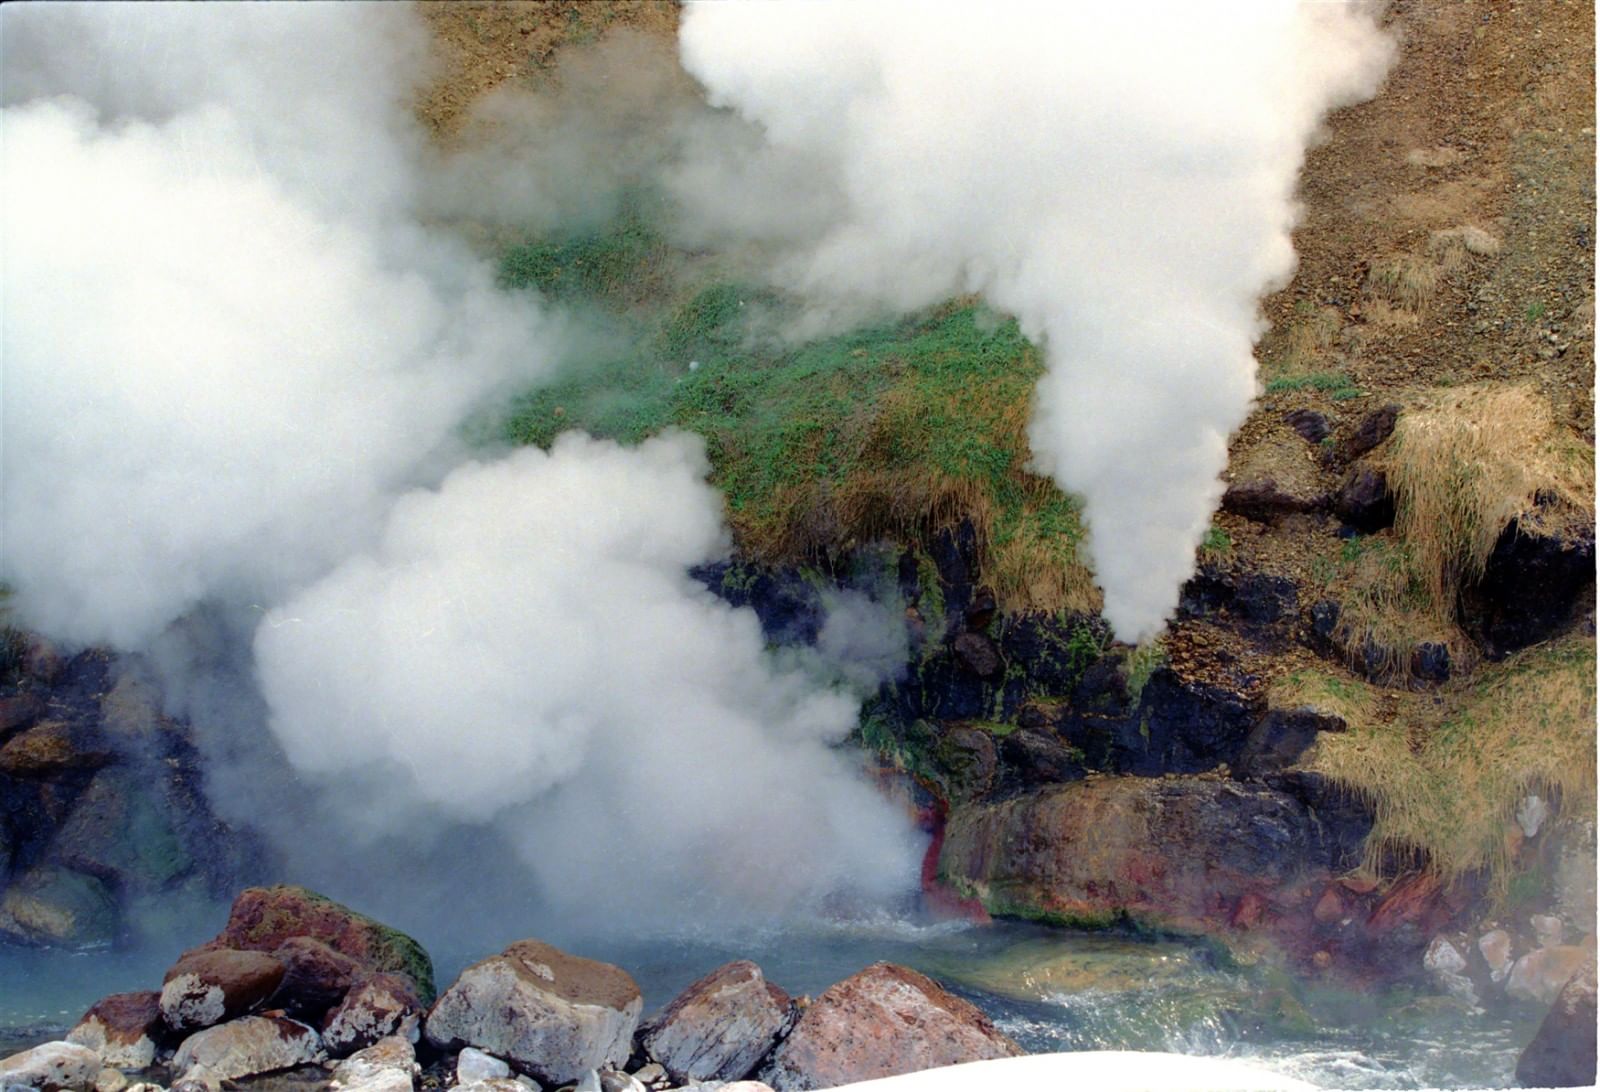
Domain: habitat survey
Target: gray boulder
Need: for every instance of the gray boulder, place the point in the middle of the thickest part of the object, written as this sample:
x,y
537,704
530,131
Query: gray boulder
x,y
247,1047
552,1015
51,1067
720,1027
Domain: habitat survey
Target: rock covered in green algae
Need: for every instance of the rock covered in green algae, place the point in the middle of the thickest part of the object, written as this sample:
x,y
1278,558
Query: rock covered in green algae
x,y
264,918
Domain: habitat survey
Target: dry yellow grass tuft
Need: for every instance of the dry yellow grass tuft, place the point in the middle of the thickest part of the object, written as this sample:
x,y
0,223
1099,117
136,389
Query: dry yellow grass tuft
x,y
1405,281
1348,699
1444,784
1465,464
1454,247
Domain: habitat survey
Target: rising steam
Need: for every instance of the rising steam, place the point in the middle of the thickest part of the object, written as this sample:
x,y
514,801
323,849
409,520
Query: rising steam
x,y
1121,179
236,366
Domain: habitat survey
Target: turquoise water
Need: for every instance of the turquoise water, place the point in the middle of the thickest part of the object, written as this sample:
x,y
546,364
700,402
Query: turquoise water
x,y
1049,989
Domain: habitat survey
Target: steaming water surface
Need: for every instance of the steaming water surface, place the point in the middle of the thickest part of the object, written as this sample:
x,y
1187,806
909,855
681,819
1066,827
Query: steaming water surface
x,y
1048,989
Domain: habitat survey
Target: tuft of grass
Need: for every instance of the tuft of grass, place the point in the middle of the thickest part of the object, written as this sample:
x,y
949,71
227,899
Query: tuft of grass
x,y
1444,783
1142,662
1329,695
1453,248
1217,543
624,264
1467,463
1535,311
1336,384
886,432
1406,281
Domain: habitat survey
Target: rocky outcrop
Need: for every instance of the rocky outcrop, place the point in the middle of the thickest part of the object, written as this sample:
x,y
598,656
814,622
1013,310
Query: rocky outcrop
x,y
264,919
1175,852
1534,584
122,1029
53,906
209,986
883,1021
552,1015
247,1047
1372,430
1562,1053
1276,478
376,1007
51,1067
1363,500
720,1027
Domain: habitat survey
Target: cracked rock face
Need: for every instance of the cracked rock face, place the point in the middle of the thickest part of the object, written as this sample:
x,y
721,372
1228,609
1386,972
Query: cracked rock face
x,y
720,1027
552,1015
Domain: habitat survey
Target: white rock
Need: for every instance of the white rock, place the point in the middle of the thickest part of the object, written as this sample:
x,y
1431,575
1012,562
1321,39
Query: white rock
x,y
1548,930
1442,956
1531,814
51,1066
389,1065
251,1045
475,1065
1539,975
500,1084
110,1080
1496,948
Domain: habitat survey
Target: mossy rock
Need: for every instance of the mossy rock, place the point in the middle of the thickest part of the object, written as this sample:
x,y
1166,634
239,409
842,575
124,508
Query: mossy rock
x,y
262,918
122,829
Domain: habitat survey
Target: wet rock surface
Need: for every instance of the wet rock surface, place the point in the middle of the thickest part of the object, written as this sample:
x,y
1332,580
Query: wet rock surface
x,y
1562,1053
883,1021
1533,586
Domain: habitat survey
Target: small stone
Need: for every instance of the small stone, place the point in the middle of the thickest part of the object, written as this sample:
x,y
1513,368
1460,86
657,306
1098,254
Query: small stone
x,y
385,1066
1363,500
1373,430
652,1076
1322,960
110,1080
52,1067
1329,908
1496,948
1443,957
1548,930
720,1026
474,1065
1531,814
1311,425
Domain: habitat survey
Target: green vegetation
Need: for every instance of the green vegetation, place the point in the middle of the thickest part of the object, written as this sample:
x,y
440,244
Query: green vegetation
x,y
1444,781
1217,543
885,432
1142,663
1336,385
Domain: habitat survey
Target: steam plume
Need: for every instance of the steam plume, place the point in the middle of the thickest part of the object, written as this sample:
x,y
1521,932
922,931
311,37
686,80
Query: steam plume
x,y
1121,179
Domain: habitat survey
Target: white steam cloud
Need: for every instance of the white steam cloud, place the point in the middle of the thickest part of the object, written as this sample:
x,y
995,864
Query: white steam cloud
x,y
236,363
1119,178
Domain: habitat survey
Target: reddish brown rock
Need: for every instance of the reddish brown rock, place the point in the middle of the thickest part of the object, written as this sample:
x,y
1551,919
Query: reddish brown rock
x,y
720,1027
315,977
376,1007
264,918
884,1021
208,986
552,1015
51,747
1329,908
122,1029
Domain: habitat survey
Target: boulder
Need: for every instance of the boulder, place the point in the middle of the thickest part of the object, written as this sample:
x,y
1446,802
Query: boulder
x,y
122,1029
386,1066
1280,738
54,907
883,1021
263,918
50,748
720,1027
1495,947
552,1015
1540,975
1311,425
51,1066
376,1007
1533,585
248,1046
1372,430
1030,758
1273,479
208,986
1363,500
977,654
124,830
1176,852
315,977
1562,1053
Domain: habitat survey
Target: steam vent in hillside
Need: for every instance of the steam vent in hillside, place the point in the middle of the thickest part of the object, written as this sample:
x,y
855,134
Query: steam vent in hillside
x,y
901,545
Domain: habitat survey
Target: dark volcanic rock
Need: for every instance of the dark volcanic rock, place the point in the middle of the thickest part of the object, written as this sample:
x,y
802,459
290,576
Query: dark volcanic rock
x,y
17,712
1179,726
126,830
720,1027
1373,429
1562,1053
1430,662
1029,759
981,611
1238,594
977,654
1533,586
1311,425
883,1021
315,977
1280,738
1363,500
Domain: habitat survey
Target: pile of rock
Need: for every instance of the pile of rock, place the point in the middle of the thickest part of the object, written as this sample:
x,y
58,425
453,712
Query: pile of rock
x,y
296,980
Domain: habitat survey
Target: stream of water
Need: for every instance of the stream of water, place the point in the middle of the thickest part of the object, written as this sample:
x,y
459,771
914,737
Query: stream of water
x,y
1048,989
